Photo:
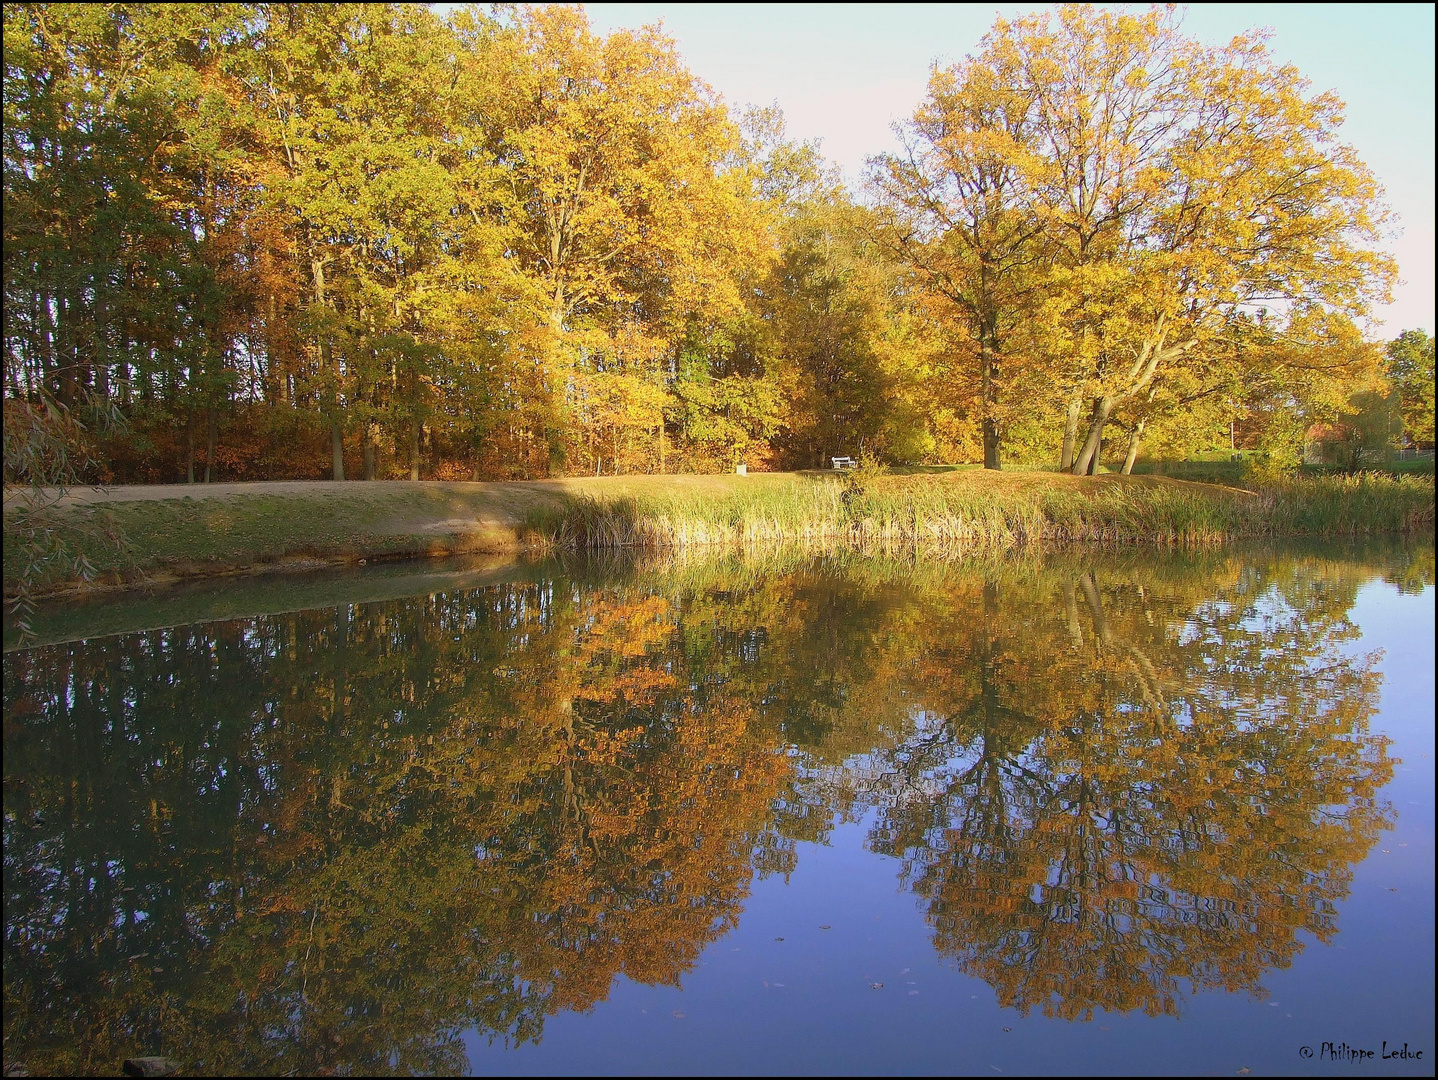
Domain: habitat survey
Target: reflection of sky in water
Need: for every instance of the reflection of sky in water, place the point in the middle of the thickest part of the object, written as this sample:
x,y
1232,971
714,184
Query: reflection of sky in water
x,y
1001,738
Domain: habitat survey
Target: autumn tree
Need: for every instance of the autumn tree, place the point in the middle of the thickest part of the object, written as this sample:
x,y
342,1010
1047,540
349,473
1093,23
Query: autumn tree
x,y
1163,188
1188,184
960,220
496,243
627,206
119,203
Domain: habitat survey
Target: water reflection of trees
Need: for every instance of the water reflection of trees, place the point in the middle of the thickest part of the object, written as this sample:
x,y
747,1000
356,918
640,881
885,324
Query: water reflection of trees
x,y
337,839
1122,788
334,840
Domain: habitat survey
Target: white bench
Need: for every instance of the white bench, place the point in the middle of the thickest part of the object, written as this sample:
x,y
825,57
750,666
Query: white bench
x,y
842,462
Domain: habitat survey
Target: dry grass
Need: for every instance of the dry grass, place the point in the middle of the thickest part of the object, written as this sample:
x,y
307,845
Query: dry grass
x,y
979,510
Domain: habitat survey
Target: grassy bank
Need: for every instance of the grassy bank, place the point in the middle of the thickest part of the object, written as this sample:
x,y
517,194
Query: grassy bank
x,y
194,531
1236,472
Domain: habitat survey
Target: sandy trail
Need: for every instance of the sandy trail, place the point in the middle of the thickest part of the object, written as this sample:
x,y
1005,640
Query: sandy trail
x,y
152,492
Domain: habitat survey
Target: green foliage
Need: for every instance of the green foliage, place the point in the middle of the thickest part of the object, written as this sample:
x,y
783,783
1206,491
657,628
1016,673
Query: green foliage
x,y
1410,368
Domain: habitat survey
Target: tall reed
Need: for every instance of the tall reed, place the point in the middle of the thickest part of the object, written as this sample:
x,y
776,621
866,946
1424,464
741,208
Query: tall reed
x,y
883,511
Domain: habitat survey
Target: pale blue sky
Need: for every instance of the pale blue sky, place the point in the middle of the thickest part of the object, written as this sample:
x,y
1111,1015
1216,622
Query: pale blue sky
x,y
843,72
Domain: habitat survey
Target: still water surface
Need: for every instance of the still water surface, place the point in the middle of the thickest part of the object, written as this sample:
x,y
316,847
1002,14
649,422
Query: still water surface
x,y
791,813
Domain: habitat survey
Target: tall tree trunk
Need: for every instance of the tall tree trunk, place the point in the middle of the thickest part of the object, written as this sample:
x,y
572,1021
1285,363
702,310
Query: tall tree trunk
x,y
67,356
988,357
272,368
1133,441
414,433
371,437
991,443
337,449
209,443
1087,460
102,345
189,447
327,357
1066,458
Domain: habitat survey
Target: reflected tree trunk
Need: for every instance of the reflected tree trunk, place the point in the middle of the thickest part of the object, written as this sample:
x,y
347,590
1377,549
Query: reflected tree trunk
x,y
1071,610
1089,584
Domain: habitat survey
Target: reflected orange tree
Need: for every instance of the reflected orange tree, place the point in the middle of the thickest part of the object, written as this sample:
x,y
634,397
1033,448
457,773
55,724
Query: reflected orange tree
x,y
1123,787
332,841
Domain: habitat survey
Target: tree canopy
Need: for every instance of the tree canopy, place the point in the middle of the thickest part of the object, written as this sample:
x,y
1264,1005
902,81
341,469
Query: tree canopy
x,y
367,240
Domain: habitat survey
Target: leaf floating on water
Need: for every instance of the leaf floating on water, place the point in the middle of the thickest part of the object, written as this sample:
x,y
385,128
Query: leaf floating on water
x,y
876,986
1244,1071
778,939
1008,1029
826,926
913,993
678,1015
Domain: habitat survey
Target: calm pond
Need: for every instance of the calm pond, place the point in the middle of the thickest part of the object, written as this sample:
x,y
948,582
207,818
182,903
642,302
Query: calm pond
x,y
790,813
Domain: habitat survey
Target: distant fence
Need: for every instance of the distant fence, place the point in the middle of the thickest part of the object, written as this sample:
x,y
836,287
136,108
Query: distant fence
x,y
1413,455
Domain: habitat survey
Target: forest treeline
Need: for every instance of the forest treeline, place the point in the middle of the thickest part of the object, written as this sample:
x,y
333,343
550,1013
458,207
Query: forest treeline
x,y
250,241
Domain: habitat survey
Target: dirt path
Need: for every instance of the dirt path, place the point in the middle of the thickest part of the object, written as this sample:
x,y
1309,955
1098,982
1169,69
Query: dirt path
x,y
80,496
501,492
